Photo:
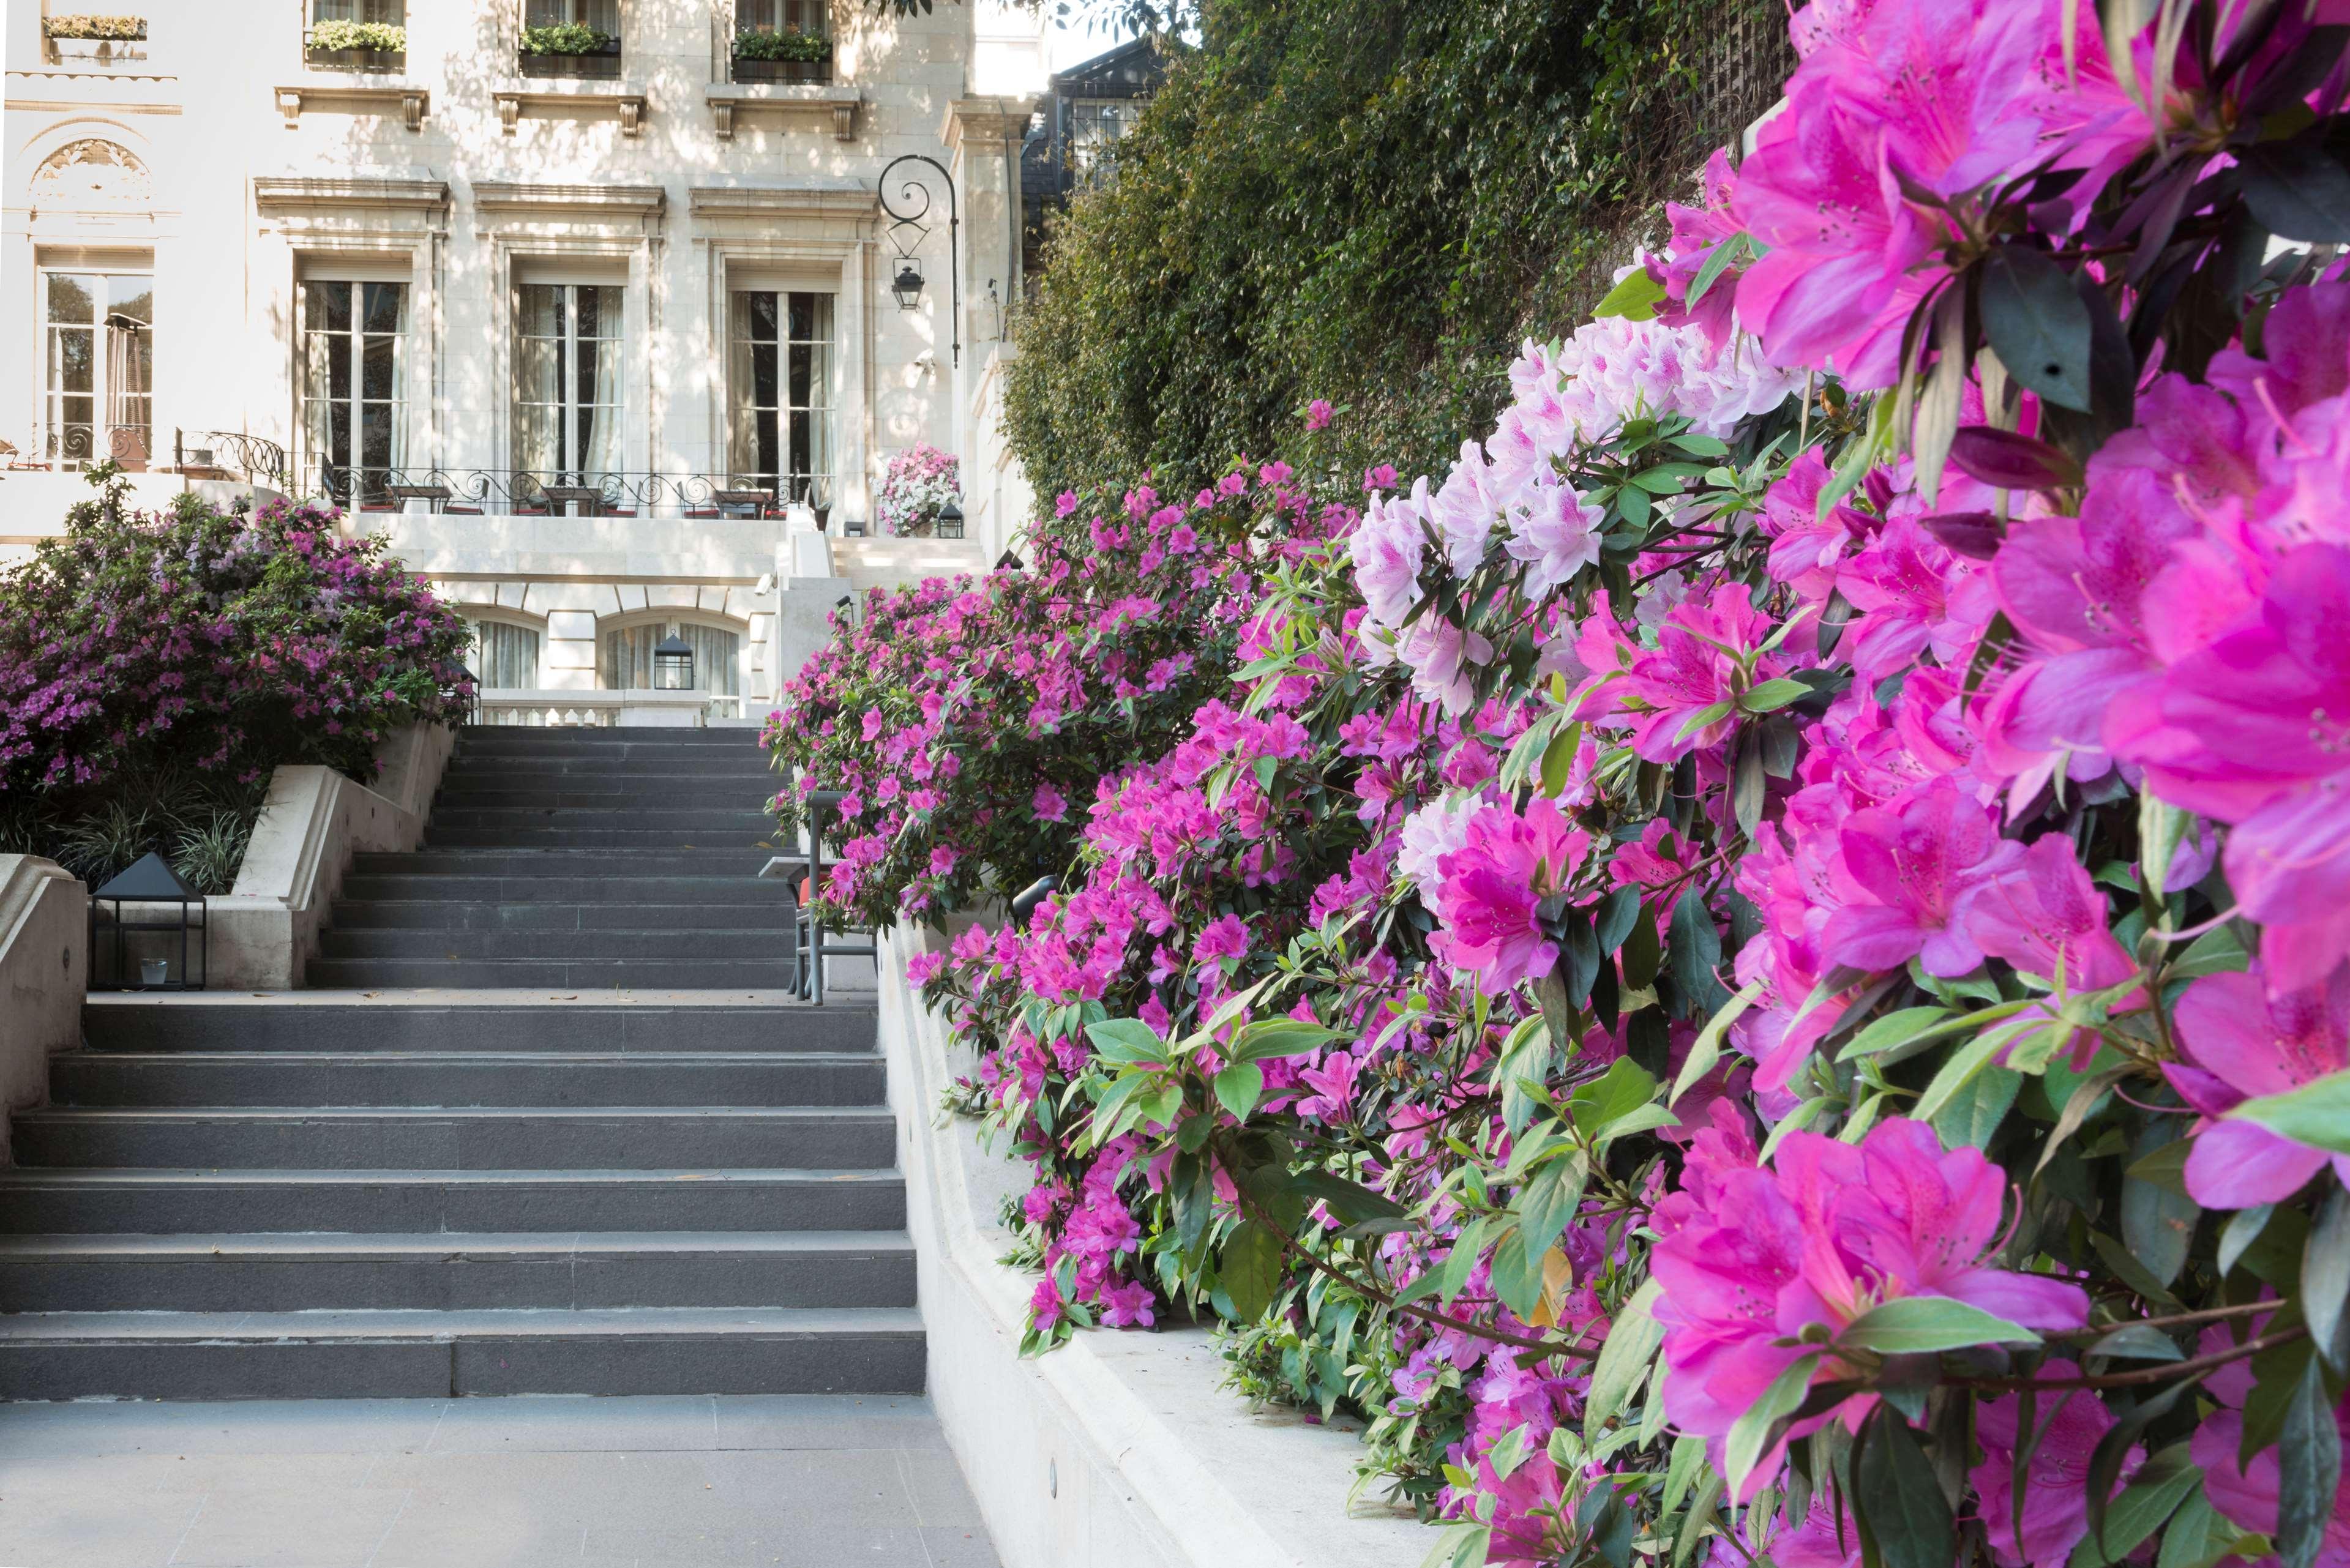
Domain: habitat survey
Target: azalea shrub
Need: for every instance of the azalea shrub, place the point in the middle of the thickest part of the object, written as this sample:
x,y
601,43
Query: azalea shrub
x,y
155,668
965,722
920,483
1759,969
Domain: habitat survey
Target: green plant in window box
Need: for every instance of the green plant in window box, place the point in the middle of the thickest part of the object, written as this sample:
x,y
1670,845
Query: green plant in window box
x,y
790,44
384,37
566,39
119,29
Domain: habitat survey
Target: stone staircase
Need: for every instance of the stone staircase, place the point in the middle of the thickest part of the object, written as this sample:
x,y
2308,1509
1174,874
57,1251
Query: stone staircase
x,y
575,857
532,1184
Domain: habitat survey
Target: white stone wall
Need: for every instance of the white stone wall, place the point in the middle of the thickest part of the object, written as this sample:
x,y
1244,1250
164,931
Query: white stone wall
x,y
247,171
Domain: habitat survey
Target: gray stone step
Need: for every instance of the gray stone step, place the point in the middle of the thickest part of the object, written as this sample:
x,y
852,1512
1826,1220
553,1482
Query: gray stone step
x,y
457,915
685,819
746,838
445,1078
752,777
161,1202
697,791
582,975
500,881
313,1273
739,745
641,945
485,1138
426,1022
441,1354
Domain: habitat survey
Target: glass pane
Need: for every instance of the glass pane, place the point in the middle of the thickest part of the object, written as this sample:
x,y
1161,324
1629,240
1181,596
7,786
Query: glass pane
x,y
326,306
762,375
338,366
375,435
545,12
379,367
73,298
393,12
604,16
538,309
754,316
383,302
538,363
809,16
535,437
803,317
70,356
334,10
131,298
339,432
587,355
756,15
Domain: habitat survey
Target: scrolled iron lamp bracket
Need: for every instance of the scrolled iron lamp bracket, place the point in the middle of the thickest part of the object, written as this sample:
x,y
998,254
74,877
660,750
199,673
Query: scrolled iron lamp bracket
x,y
912,193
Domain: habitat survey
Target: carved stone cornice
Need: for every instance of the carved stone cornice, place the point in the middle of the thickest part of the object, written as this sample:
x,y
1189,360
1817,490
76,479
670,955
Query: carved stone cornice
x,y
492,196
989,121
808,200
277,193
411,102
841,104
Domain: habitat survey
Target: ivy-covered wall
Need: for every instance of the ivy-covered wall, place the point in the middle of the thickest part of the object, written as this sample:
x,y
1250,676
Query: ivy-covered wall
x,y
1371,202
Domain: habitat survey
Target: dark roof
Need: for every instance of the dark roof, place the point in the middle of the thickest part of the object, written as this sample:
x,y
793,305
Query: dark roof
x,y
1130,70
149,880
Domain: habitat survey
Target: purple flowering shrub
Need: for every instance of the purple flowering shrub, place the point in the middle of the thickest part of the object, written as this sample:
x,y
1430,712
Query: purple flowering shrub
x,y
200,646
1761,969
966,720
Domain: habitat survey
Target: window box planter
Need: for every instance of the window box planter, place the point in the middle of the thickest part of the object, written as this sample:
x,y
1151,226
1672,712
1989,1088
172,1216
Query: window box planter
x,y
747,69
601,61
390,61
125,39
363,47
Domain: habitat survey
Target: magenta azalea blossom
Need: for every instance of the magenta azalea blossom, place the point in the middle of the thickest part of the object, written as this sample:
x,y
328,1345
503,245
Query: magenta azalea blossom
x,y
2069,1424
2242,1040
1914,874
1749,1256
1493,886
1690,673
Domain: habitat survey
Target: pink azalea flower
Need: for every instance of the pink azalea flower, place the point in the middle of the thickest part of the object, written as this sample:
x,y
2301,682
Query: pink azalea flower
x,y
1226,937
2254,729
1317,414
1494,888
1387,547
1333,1083
1747,1257
1912,874
1049,804
2070,1423
2247,1495
2242,1040
1687,671
1557,535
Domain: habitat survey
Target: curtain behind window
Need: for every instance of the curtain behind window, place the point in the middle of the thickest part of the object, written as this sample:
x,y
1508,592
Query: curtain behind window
x,y
505,657
626,661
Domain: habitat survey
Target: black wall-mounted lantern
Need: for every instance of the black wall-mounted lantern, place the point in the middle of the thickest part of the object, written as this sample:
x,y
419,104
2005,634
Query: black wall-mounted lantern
x,y
909,285
1008,562
907,230
673,664
148,931
949,523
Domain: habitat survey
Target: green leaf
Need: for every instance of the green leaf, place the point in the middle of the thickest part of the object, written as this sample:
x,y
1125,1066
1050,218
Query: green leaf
x,y
2158,1224
1642,951
1558,761
1350,1202
1707,1050
1922,1325
1964,1065
1548,1201
1612,922
1896,1030
1467,1245
2037,324
1689,1458
1249,1267
2309,1469
1899,1498
1695,949
1269,1037
1238,1088
2297,191
2200,1535
2316,1114
1460,1545
1772,695
2136,1342
2326,1279
1126,1040
2219,951
1624,1088
1724,255
1712,713
1517,1273
1634,299
2243,1228
2153,1496
1632,1342
1974,1112
1754,1434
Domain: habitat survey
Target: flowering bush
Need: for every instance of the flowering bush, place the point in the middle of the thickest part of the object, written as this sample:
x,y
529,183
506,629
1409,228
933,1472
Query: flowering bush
x,y
789,44
917,485
965,722
199,641
1762,967
386,36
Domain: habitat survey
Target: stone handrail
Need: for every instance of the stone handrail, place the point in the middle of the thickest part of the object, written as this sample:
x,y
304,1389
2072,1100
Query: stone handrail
x,y
44,970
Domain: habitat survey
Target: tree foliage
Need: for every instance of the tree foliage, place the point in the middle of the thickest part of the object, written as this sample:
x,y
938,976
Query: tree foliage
x,y
1367,200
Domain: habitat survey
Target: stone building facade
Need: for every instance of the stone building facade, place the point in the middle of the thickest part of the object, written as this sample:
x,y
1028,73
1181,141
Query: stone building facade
x,y
586,330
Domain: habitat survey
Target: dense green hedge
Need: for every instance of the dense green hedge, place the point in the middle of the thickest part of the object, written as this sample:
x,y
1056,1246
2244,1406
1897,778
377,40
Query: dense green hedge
x,y
1368,201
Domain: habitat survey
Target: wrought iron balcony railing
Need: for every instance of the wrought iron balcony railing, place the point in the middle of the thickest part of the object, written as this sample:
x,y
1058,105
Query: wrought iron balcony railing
x,y
570,493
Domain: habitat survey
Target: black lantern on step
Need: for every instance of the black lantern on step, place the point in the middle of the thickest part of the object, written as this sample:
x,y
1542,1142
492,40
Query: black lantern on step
x,y
148,931
950,521
908,284
673,664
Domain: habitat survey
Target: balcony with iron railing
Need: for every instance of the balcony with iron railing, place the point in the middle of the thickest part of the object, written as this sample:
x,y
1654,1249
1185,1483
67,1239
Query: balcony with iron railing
x,y
516,492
